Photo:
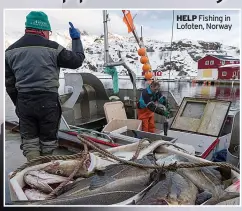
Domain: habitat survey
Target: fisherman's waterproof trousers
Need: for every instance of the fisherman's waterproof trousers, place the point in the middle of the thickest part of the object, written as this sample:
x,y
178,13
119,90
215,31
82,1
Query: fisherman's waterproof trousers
x,y
148,120
39,118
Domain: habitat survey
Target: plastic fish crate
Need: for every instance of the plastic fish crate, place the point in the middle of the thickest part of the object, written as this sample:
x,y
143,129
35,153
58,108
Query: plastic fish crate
x,y
117,118
131,124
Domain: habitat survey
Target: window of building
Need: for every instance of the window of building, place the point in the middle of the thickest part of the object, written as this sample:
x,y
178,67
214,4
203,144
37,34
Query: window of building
x,y
231,62
223,62
207,63
212,62
224,73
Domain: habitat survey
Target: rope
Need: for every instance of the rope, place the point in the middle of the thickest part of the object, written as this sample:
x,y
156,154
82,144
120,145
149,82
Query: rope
x,y
139,148
108,154
171,167
76,169
46,159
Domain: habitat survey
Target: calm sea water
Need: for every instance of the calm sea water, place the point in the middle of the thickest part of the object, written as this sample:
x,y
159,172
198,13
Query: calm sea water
x,y
179,90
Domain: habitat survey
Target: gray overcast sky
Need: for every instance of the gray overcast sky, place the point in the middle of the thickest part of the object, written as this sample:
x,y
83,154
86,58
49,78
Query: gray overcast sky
x,y
157,24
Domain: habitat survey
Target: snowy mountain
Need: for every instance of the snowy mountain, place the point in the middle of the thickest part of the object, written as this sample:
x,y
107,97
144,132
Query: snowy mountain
x,y
181,58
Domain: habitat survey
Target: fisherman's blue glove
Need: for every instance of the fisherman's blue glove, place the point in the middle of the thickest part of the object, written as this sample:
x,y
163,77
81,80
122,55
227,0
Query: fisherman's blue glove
x,y
74,33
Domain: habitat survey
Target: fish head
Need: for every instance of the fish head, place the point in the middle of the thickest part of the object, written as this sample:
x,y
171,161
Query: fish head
x,y
60,167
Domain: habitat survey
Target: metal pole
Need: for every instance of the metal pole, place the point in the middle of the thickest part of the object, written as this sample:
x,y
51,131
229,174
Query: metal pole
x,y
107,61
106,46
141,32
172,32
135,98
132,76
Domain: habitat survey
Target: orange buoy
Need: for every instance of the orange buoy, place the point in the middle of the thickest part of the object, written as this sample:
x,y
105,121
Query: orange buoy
x,y
146,67
144,60
148,75
141,52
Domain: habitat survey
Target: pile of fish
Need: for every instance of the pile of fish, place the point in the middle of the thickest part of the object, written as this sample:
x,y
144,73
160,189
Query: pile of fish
x,y
126,184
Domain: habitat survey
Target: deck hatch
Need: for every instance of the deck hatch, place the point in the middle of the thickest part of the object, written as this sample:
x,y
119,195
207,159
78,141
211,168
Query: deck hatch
x,y
201,116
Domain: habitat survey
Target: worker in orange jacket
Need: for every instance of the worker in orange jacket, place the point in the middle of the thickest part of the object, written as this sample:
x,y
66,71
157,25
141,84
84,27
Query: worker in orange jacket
x,y
147,106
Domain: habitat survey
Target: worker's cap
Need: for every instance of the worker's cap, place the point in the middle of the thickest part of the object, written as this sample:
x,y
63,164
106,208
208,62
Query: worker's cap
x,y
37,20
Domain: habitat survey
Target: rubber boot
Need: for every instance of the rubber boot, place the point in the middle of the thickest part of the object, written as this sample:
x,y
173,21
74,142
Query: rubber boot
x,y
32,155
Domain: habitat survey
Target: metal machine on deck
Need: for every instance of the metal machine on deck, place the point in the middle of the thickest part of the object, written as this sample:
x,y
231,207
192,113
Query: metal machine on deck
x,y
83,106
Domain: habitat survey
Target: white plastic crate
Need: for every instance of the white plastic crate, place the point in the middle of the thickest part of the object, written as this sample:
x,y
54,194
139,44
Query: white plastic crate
x,y
117,118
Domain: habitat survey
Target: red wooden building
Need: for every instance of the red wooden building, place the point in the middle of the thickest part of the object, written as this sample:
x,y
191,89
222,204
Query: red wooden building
x,y
209,67
229,71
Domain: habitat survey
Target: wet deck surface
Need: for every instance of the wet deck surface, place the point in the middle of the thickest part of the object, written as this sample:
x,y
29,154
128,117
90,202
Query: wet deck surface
x,y
14,158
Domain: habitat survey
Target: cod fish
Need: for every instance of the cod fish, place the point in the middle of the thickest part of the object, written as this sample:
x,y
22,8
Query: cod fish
x,y
65,168
208,180
114,185
168,159
41,180
111,193
172,190
111,173
33,194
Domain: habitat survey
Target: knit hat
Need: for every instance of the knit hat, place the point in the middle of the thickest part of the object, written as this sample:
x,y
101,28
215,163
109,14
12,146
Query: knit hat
x,y
37,20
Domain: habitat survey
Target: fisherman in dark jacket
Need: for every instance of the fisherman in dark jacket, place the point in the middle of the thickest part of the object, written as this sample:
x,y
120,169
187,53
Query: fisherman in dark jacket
x,y
32,67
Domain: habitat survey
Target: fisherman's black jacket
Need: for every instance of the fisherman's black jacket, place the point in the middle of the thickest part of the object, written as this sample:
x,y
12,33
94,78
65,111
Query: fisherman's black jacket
x,y
33,64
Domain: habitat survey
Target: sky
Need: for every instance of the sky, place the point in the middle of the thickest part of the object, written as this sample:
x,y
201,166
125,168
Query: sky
x,y
157,24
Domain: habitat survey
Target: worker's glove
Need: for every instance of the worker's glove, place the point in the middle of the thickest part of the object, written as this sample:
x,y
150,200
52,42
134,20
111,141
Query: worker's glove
x,y
157,109
74,33
162,112
152,106
168,106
